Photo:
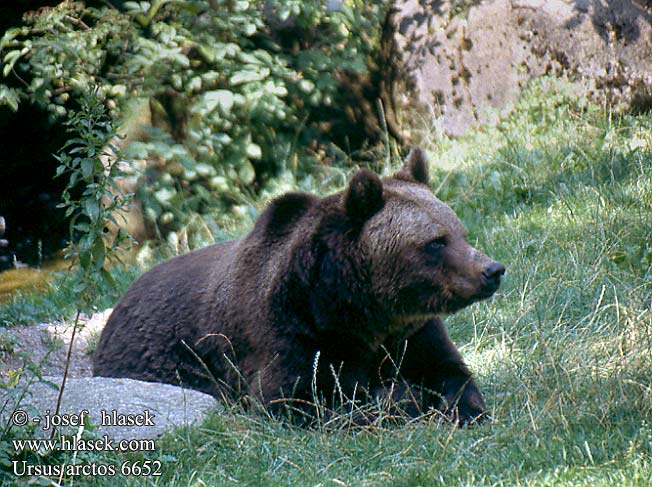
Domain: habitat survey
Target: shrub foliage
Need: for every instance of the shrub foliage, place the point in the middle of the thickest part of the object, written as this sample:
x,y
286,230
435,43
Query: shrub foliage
x,y
240,92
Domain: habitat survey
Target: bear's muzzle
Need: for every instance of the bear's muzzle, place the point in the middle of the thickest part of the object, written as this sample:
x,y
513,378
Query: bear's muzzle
x,y
491,278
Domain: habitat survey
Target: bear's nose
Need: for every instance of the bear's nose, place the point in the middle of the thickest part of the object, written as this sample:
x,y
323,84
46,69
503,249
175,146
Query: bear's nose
x,y
493,272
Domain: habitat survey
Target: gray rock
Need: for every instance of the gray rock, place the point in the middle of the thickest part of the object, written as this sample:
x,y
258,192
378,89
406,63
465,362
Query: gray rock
x,y
46,346
167,405
3,226
465,69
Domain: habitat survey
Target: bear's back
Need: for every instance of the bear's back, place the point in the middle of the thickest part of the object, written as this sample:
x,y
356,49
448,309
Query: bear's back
x,y
167,304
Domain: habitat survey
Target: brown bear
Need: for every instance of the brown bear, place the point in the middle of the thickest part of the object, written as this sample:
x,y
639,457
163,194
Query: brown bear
x,y
324,294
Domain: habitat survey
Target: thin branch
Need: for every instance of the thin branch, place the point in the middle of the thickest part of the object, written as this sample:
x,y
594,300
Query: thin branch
x,y
65,372
77,22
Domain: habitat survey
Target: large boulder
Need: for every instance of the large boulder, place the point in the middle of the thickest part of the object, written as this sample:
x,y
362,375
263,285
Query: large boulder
x,y
118,401
46,347
466,66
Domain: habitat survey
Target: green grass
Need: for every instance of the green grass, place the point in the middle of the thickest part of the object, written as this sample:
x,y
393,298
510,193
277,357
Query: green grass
x,y
561,193
56,301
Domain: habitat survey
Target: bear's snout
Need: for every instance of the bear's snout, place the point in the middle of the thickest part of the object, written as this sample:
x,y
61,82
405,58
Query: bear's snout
x,y
491,277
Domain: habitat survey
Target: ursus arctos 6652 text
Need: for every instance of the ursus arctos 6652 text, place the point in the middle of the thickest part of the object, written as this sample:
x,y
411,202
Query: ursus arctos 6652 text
x,y
337,282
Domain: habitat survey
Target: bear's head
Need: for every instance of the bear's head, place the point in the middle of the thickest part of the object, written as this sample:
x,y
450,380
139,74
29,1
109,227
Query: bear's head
x,y
414,246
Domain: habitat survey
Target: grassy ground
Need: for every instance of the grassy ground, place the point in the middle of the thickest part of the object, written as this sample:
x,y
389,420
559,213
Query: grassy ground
x,y
561,193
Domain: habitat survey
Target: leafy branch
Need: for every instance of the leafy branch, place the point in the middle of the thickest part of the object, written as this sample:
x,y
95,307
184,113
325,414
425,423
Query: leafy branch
x,y
92,200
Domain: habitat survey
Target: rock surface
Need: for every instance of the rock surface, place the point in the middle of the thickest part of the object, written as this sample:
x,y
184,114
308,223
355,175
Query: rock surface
x,y
168,405
464,68
46,346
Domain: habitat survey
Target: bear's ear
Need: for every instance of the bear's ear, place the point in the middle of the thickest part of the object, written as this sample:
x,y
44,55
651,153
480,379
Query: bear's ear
x,y
415,169
364,196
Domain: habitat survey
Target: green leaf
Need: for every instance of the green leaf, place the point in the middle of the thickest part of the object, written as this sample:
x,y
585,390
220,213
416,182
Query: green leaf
x,y
251,59
87,169
218,98
164,195
306,86
79,287
99,253
92,208
10,59
247,173
9,97
249,75
250,29
106,275
254,151
84,259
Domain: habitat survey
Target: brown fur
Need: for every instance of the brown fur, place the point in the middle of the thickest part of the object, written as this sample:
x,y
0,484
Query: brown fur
x,y
344,279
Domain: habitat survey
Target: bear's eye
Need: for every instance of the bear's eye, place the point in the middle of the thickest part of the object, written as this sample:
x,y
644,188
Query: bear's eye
x,y
434,247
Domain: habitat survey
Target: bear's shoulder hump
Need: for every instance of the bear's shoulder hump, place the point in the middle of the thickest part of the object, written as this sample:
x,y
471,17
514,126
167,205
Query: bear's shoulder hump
x,y
283,212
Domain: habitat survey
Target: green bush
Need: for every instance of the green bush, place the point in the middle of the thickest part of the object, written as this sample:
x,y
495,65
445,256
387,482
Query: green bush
x,y
240,91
